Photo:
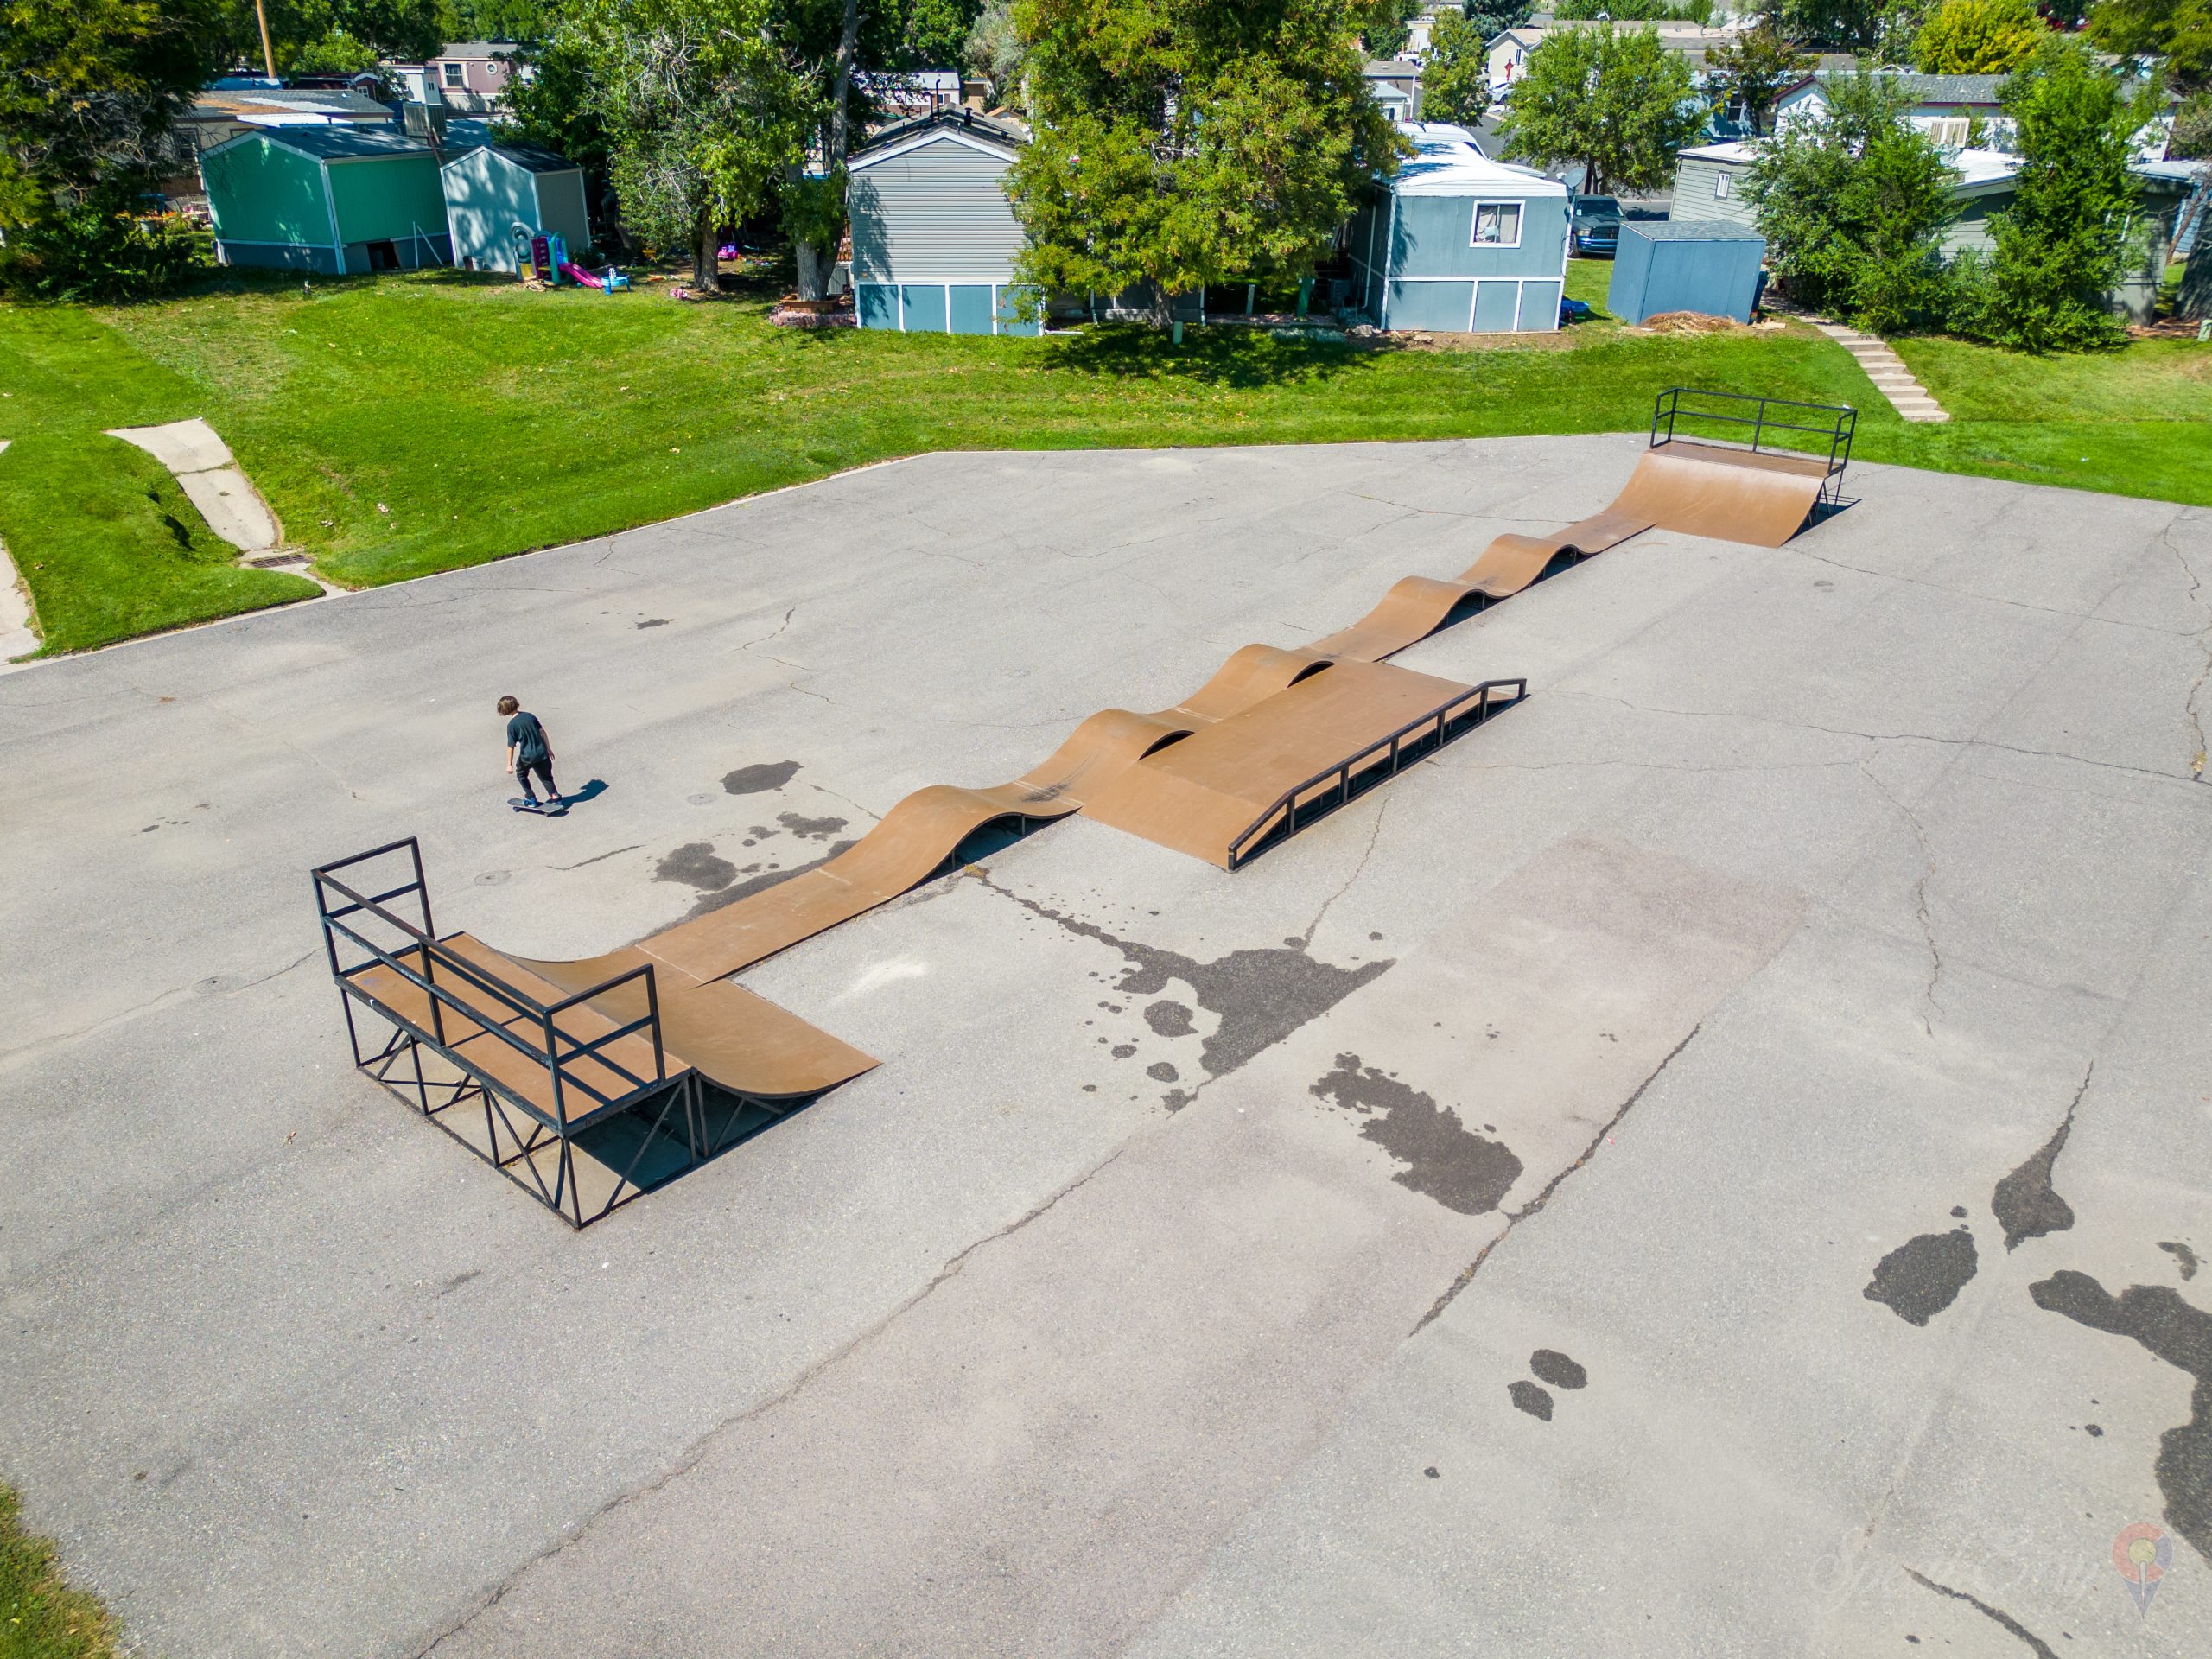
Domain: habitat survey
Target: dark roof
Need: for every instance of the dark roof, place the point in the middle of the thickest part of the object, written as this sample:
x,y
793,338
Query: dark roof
x,y
529,157
340,142
963,121
1689,230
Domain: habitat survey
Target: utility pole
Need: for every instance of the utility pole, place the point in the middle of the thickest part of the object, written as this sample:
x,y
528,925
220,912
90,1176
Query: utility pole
x,y
267,56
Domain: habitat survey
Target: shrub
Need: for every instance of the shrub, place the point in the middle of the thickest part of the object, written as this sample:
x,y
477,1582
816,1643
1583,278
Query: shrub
x,y
106,248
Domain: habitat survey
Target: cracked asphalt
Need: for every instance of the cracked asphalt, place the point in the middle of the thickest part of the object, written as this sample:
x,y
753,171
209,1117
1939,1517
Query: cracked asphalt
x,y
1715,1161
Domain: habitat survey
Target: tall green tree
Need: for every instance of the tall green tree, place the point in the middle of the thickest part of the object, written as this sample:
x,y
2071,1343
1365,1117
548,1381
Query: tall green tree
x,y
1833,25
1979,37
1390,28
1852,202
496,19
1493,17
996,50
1756,70
1615,101
2177,33
703,115
334,36
2071,231
1180,142
934,33
1455,78
89,95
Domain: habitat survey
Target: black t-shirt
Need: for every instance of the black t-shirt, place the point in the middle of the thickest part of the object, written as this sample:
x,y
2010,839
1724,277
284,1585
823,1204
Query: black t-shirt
x,y
526,738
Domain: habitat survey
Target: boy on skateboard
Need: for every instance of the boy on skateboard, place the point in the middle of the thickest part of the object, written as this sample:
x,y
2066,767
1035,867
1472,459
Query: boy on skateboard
x,y
529,751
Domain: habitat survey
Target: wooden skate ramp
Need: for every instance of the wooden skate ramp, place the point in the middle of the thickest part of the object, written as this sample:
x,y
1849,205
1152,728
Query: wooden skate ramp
x,y
1200,795
921,832
1193,776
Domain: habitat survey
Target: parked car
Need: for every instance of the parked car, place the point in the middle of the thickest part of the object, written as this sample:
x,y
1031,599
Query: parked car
x,y
1596,221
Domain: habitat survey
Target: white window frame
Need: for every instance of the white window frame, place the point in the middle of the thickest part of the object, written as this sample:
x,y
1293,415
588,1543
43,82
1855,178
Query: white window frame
x,y
452,74
1724,184
1520,219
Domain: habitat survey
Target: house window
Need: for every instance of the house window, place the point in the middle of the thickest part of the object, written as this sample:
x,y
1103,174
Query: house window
x,y
452,73
1498,224
1949,132
1723,185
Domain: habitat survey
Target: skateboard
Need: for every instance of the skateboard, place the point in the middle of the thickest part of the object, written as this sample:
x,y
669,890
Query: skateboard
x,y
543,808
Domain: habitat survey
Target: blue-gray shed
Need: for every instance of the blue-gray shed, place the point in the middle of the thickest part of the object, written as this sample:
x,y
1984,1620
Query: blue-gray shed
x,y
1458,242
500,195
1705,265
934,237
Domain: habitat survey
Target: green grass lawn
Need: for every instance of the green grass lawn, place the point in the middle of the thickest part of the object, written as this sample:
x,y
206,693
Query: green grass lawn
x,y
418,422
40,1616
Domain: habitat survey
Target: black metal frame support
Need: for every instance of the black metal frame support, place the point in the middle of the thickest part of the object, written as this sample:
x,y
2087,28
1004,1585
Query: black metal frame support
x,y
1839,428
534,1142
1353,776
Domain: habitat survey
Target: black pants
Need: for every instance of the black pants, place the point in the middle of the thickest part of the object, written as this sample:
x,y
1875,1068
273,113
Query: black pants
x,y
544,770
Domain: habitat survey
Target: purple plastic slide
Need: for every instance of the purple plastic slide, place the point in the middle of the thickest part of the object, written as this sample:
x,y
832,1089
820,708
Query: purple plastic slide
x,y
578,275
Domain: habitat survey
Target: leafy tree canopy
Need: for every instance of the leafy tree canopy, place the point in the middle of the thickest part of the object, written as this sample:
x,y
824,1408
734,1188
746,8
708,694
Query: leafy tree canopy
x,y
89,92
1390,28
1493,17
2070,232
996,50
1180,142
496,19
2179,31
1455,79
702,112
1979,37
1756,71
1831,25
334,36
1852,202
1613,100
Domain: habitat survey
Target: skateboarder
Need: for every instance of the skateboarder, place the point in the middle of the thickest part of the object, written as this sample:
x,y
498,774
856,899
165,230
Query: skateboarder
x,y
527,752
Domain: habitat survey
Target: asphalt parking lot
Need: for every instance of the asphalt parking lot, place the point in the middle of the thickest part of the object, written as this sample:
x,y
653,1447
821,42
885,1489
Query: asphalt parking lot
x,y
1715,1161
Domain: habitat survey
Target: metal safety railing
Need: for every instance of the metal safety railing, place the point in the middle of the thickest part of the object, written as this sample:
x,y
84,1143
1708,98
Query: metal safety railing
x,y
547,1044
1332,786
1764,417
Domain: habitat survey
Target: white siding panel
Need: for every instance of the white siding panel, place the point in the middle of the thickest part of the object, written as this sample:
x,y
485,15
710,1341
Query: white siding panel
x,y
938,213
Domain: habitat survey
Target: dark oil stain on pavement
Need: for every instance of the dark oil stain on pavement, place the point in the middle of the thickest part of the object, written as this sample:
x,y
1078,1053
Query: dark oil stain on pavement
x,y
1922,1276
1556,1369
1261,996
1443,1158
809,828
2026,1205
758,779
695,865
1168,1018
2182,1253
1528,1397
2156,1317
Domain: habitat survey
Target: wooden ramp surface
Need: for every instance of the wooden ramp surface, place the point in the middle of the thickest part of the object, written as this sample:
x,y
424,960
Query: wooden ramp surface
x,y
1267,719
1197,796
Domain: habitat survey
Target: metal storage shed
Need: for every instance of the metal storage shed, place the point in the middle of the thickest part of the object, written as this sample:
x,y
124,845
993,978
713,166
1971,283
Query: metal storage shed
x,y
499,196
1705,265
332,199
934,237
1461,244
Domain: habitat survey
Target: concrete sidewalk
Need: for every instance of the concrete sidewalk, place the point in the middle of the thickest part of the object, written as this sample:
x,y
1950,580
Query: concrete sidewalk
x,y
1712,1162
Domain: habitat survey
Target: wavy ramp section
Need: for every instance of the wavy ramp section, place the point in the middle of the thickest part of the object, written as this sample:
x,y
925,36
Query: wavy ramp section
x,y
753,1047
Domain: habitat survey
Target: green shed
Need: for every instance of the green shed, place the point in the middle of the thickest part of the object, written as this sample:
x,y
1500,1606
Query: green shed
x,y
332,199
